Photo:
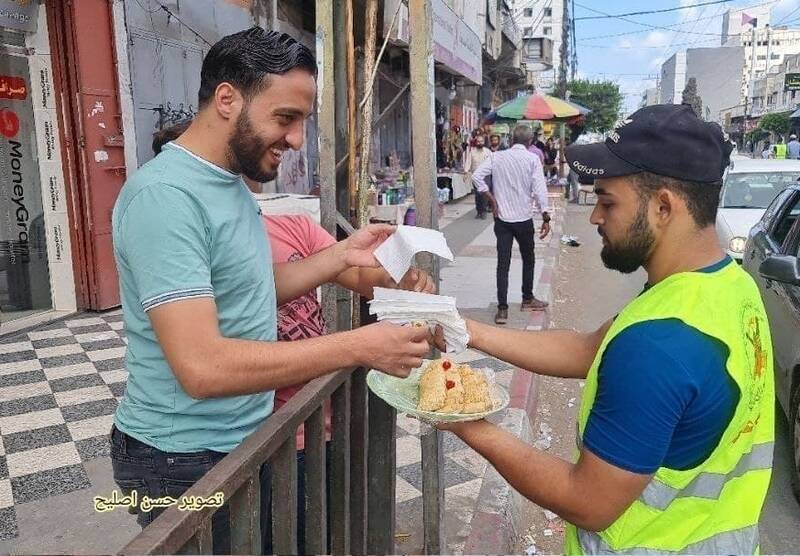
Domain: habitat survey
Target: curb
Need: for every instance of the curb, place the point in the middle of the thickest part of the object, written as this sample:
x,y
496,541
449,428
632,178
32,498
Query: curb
x,y
499,515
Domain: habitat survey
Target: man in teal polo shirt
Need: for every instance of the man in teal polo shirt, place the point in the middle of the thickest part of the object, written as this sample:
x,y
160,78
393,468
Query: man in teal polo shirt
x,y
198,293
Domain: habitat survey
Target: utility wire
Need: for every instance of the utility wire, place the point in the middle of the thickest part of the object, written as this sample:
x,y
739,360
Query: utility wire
x,y
659,27
606,16
172,14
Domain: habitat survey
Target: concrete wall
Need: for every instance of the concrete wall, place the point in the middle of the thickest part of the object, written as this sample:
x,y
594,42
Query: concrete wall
x,y
673,79
718,72
732,21
537,22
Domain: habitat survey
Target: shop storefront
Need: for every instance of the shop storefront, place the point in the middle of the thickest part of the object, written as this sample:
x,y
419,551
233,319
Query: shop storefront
x,y
457,51
36,272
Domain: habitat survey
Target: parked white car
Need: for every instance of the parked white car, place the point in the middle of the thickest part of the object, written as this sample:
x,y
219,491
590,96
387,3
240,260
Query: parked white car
x,y
749,186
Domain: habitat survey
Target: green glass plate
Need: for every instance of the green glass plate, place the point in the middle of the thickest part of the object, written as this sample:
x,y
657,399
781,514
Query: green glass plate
x,y
403,395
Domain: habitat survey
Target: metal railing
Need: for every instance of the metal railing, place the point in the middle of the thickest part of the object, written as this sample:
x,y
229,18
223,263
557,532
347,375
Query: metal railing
x,y
361,504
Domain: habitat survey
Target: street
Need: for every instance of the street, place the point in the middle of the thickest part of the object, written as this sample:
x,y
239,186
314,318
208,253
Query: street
x,y
585,295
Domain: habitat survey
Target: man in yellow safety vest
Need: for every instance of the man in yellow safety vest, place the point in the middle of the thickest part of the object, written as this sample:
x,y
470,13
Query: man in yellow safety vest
x,y
676,425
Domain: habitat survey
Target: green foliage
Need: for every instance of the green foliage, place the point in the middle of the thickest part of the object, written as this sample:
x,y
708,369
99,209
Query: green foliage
x,y
603,98
757,135
691,97
776,123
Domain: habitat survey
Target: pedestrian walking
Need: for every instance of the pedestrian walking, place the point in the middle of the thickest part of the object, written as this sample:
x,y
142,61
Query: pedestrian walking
x,y
793,147
550,154
495,143
767,152
676,426
532,148
477,155
199,293
519,186
780,149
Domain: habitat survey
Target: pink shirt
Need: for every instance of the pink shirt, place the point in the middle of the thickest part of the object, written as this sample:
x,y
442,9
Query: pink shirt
x,y
295,237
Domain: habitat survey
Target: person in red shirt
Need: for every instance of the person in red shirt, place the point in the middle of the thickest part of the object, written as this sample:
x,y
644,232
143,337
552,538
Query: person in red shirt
x,y
292,238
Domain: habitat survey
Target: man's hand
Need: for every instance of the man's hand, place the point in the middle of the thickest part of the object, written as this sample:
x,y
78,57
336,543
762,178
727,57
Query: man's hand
x,y
417,280
395,350
545,230
359,248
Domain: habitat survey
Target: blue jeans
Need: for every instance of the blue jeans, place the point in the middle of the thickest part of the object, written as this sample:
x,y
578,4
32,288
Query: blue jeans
x,y
141,467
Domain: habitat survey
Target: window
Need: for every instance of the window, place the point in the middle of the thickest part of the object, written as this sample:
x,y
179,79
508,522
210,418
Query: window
x,y
754,190
774,208
775,57
528,32
761,57
548,12
533,49
528,12
785,221
546,30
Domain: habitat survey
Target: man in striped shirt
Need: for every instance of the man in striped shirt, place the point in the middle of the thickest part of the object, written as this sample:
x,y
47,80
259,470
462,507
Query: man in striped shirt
x,y
519,185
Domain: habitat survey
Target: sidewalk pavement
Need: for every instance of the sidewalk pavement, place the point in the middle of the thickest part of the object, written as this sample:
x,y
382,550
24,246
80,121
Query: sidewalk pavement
x,y
483,515
60,384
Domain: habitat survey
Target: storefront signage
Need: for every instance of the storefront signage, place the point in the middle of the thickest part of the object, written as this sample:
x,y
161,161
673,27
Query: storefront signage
x,y
19,14
13,88
792,82
23,251
455,44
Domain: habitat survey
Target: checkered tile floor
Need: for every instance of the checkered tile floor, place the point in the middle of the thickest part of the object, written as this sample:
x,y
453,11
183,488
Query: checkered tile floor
x,y
59,388
462,474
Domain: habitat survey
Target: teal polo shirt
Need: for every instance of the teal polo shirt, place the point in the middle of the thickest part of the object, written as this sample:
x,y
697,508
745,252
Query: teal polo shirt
x,y
185,228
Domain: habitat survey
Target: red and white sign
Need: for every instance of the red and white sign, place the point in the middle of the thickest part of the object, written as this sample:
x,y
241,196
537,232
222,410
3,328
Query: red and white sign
x,y
9,124
13,88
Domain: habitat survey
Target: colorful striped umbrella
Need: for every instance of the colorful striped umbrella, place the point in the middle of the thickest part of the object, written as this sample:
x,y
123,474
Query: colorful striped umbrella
x,y
537,107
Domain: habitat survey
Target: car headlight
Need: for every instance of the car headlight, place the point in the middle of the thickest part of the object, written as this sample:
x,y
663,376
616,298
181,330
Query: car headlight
x,y
737,244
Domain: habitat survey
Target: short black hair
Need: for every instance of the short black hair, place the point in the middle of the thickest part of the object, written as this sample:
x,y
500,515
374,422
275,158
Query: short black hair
x,y
246,60
702,199
164,136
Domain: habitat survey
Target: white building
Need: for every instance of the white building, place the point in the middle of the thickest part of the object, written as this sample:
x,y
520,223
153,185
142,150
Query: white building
x,y
649,97
732,22
717,71
541,22
765,47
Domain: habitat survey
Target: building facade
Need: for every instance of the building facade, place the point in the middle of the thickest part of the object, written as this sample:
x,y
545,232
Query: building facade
x,y
673,79
649,97
36,263
717,71
541,23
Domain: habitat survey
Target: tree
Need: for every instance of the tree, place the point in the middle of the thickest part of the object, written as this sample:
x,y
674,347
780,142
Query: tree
x,y
691,97
603,98
778,123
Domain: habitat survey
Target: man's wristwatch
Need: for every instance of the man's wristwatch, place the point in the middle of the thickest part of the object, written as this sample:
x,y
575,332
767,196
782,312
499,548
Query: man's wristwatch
x,y
545,217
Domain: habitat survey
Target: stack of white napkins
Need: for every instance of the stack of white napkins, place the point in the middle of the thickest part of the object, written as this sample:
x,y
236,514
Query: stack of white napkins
x,y
396,253
402,307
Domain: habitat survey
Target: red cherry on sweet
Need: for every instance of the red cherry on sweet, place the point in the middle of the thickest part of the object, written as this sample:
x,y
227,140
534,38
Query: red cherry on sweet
x,y
450,384
446,365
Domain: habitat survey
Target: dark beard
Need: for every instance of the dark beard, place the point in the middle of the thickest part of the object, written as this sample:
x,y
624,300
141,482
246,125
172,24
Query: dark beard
x,y
634,252
246,150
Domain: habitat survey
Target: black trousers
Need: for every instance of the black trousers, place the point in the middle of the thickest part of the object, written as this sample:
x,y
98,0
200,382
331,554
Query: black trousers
x,y
506,233
141,467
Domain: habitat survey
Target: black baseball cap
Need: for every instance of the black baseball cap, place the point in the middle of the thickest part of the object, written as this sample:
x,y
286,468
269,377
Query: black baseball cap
x,y
664,139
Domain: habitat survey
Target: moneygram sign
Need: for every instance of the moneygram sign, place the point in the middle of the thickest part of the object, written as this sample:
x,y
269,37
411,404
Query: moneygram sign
x,y
19,14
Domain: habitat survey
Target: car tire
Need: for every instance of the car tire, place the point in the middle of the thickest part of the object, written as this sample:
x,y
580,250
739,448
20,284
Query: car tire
x,y
794,438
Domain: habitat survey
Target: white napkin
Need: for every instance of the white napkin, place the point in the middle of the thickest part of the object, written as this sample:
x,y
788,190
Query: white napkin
x,y
396,253
402,307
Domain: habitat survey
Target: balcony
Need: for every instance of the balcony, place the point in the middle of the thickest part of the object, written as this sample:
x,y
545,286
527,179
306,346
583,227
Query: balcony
x,y
537,53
